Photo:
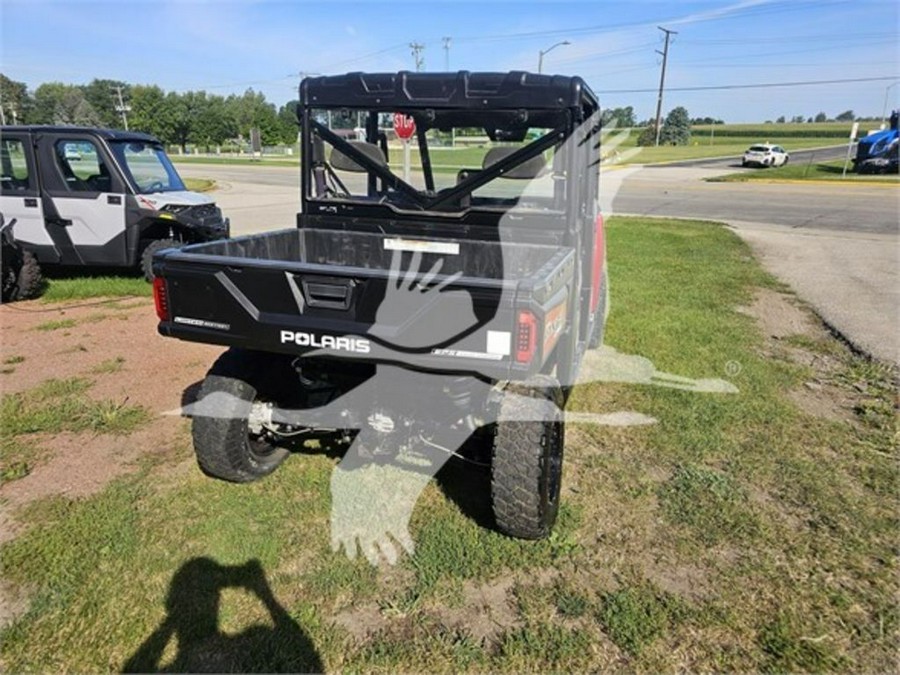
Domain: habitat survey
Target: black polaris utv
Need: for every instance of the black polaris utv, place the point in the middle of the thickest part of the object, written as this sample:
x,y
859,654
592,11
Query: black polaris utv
x,y
510,236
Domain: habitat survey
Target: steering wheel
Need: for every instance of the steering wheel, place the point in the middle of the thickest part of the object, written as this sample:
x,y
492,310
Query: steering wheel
x,y
156,186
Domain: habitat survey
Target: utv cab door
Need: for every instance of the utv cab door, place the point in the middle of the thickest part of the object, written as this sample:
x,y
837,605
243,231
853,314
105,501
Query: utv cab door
x,y
83,200
20,192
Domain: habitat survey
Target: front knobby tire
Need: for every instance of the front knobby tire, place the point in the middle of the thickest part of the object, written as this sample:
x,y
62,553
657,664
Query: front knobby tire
x,y
526,468
224,446
152,249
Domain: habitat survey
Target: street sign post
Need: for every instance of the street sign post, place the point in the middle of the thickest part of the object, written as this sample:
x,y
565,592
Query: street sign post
x,y
404,127
853,133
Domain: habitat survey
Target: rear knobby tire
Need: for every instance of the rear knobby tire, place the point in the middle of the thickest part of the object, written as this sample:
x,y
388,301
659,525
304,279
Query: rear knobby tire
x,y
223,443
526,468
30,281
152,248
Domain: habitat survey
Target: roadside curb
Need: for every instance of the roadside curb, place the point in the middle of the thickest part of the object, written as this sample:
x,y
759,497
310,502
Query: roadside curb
x,y
811,181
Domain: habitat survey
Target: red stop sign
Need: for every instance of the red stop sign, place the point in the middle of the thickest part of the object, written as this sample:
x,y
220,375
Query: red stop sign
x,y
404,126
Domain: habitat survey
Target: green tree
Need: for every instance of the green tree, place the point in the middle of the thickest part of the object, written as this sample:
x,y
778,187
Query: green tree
x,y
846,116
288,122
150,112
821,117
623,117
647,137
215,123
252,111
103,97
677,128
14,98
184,110
798,119
47,98
73,108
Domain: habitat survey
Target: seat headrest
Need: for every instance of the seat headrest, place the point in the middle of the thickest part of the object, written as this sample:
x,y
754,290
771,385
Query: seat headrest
x,y
533,168
342,162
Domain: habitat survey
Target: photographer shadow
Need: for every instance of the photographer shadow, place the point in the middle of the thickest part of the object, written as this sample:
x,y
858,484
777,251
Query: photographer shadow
x,y
192,619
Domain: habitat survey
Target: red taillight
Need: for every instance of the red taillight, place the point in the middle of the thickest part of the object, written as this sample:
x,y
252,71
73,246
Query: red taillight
x,y
161,298
526,337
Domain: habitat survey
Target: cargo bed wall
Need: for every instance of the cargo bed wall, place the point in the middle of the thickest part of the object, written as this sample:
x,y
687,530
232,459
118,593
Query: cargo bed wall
x,y
343,249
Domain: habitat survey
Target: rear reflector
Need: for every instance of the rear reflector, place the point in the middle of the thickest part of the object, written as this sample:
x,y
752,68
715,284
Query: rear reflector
x,y
526,337
161,298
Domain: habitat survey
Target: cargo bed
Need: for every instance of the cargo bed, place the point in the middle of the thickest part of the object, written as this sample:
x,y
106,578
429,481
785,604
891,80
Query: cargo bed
x,y
324,284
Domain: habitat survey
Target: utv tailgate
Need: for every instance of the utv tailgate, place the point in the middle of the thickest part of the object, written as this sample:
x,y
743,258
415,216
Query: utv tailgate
x,y
294,291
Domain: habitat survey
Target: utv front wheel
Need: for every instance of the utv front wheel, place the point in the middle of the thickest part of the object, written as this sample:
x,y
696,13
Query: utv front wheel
x,y
226,445
526,468
154,247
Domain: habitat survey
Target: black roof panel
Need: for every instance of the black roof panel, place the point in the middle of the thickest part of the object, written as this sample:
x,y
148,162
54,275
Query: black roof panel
x,y
461,90
108,134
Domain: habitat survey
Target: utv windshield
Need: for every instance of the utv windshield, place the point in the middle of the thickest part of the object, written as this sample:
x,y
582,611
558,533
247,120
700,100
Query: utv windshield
x,y
147,166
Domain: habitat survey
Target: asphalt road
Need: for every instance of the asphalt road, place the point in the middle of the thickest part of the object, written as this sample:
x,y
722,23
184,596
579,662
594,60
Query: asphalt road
x,y
683,192
835,244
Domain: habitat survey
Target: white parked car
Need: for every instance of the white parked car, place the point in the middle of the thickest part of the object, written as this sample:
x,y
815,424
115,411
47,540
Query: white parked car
x,y
765,154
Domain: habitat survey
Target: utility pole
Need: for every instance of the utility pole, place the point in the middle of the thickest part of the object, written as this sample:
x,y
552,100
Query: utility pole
x,y
417,54
122,108
662,79
446,42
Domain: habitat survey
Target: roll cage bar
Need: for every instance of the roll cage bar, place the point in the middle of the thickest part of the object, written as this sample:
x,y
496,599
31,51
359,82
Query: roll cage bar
x,y
505,104
427,200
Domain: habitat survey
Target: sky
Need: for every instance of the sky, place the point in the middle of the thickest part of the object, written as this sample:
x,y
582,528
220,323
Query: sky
x,y
227,46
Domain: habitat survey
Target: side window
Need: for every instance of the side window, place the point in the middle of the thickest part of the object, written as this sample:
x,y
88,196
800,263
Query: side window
x,y
14,176
82,167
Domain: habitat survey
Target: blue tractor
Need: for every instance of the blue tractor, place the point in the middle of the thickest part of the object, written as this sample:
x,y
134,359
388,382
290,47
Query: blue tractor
x,y
878,152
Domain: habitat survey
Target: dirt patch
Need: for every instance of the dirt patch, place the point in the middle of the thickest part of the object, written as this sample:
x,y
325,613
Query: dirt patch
x,y
689,582
485,612
13,603
114,345
779,316
791,333
83,464
488,610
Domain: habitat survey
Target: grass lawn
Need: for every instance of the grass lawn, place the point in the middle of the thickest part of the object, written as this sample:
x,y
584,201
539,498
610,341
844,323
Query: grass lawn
x,y
737,533
809,171
82,287
199,184
723,147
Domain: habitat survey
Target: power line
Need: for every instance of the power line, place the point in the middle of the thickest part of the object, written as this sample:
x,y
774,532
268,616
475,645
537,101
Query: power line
x,y
803,83
831,37
364,57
